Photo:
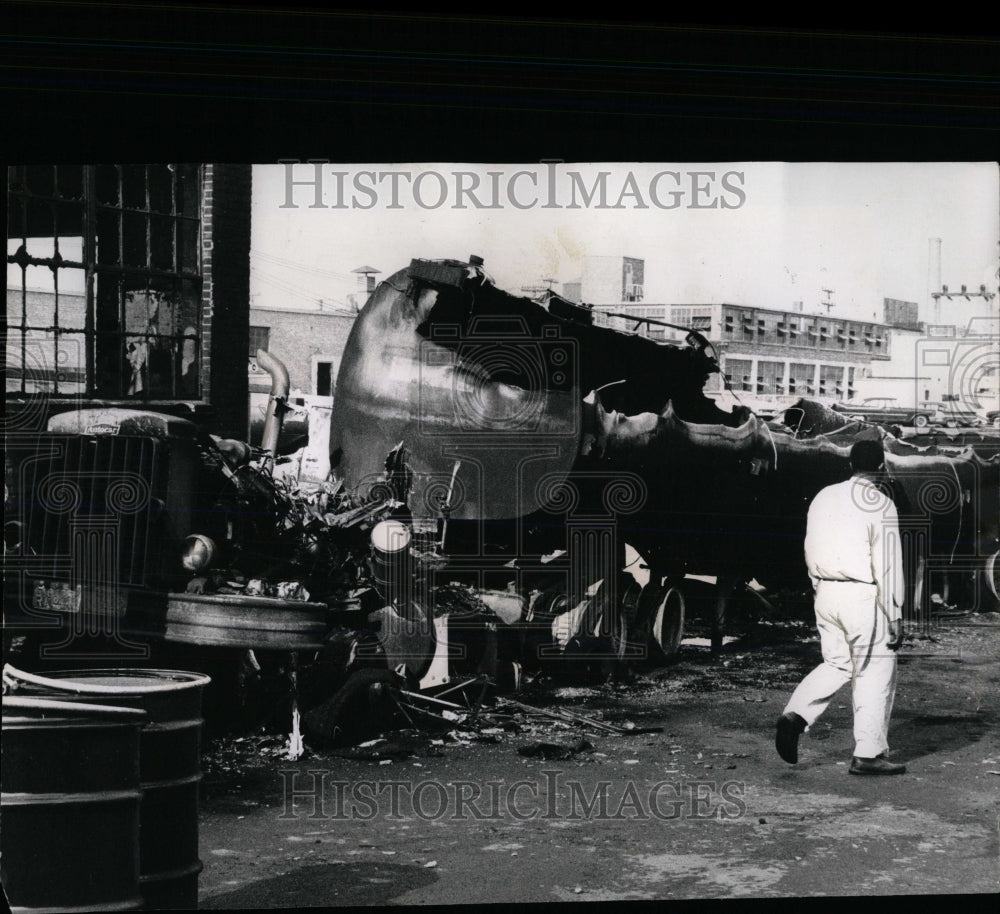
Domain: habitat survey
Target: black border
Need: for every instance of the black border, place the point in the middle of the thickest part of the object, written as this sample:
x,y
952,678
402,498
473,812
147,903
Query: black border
x,y
255,83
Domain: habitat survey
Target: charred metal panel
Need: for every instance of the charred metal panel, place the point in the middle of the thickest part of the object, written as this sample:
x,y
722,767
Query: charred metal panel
x,y
457,369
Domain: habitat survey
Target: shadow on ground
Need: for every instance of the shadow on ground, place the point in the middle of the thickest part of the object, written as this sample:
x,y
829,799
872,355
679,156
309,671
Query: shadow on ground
x,y
918,735
325,885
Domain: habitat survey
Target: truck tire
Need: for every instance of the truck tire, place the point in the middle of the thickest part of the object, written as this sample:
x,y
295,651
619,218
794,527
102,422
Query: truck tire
x,y
667,623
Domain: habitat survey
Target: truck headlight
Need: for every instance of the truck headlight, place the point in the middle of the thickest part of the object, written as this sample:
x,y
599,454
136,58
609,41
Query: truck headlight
x,y
198,552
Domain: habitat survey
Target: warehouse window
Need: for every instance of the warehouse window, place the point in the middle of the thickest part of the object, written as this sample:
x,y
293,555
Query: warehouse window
x,y
800,378
831,380
738,373
259,339
104,280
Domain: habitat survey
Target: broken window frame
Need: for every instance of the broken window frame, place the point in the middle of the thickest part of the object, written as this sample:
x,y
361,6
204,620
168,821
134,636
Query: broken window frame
x,y
140,236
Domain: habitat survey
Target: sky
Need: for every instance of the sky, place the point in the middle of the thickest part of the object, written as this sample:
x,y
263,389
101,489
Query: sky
x,y
756,233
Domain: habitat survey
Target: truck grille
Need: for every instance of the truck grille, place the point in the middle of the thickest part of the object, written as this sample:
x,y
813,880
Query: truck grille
x,y
90,506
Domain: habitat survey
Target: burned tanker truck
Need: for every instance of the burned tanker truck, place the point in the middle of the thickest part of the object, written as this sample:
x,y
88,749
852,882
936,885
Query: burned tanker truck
x,y
493,462
539,445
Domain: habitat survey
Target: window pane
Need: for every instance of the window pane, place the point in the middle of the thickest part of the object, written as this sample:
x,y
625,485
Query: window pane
x,y
187,246
40,179
188,190
259,339
189,326
15,178
15,219
189,313
71,364
72,300
161,188
69,226
40,229
70,181
108,343
107,185
189,384
31,362
134,239
134,186
162,364
143,356
38,365
141,309
108,245
13,303
161,242
40,299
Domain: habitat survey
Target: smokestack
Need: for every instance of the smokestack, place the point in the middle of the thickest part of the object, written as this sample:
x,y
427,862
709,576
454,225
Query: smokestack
x,y
934,276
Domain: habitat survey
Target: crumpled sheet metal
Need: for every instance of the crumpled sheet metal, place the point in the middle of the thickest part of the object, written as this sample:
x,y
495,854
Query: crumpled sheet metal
x,y
394,385
441,359
741,495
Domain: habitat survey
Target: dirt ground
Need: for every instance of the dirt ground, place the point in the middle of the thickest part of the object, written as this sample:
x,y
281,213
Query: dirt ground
x,y
702,809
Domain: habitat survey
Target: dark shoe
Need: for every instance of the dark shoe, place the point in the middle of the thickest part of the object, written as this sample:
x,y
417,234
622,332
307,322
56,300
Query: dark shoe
x,y
786,740
878,765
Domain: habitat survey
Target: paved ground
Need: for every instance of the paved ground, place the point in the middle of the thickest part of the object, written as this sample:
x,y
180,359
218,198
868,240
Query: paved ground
x,y
703,809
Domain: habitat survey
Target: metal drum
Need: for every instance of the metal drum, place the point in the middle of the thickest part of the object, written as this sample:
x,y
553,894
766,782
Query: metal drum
x,y
169,765
69,814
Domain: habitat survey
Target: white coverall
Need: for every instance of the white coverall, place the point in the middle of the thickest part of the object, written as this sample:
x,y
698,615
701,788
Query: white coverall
x,y
854,558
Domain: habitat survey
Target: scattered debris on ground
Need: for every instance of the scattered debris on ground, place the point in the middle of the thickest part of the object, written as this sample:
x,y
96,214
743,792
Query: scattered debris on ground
x,y
391,722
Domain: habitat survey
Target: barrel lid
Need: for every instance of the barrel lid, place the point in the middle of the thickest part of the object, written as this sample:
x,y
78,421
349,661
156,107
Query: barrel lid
x,y
110,681
390,536
17,708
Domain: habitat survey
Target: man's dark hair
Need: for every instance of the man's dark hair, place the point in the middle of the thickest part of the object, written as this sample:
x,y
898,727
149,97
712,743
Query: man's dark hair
x,y
867,456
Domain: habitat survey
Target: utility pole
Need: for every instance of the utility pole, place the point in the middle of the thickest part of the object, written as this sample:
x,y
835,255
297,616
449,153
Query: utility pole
x,y
963,293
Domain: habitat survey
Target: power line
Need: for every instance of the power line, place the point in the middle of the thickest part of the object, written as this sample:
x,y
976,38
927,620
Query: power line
x,y
286,287
285,261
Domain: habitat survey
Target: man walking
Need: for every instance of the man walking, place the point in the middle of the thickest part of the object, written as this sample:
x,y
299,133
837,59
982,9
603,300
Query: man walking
x,y
855,561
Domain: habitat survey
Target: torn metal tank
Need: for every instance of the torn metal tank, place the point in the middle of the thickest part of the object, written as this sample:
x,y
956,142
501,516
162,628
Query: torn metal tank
x,y
443,360
575,426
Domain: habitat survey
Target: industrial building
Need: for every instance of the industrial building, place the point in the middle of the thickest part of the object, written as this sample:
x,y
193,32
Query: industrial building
x,y
768,357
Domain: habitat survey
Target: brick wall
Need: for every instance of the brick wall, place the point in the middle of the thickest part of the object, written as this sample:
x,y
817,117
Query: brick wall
x,y
298,339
